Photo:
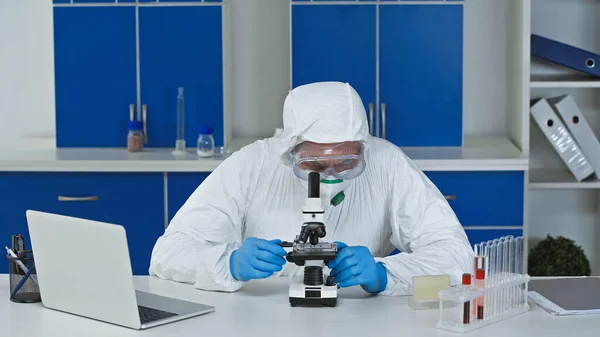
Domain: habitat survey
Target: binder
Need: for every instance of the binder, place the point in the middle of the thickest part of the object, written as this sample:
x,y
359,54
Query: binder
x,y
583,134
565,55
560,138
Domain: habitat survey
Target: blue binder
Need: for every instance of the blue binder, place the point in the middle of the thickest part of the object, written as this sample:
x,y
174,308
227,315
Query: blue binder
x,y
565,55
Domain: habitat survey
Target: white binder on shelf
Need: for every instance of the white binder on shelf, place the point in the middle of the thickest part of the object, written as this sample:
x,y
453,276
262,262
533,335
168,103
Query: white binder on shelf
x,y
559,136
583,134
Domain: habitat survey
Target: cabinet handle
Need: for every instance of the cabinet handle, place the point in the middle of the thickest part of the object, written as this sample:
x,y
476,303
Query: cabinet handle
x,y
371,108
131,112
92,198
144,120
377,124
383,120
450,197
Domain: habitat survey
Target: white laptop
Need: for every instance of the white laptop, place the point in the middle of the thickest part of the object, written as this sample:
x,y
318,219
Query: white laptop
x,y
83,268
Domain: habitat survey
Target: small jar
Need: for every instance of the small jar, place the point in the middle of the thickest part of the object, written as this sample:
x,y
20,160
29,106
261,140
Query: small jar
x,y
206,142
135,137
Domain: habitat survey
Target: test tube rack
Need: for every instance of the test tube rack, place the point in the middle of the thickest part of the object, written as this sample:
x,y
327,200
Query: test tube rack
x,y
499,290
459,305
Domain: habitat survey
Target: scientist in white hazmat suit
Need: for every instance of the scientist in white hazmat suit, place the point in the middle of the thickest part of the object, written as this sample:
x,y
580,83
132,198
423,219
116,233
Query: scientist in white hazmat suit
x,y
376,200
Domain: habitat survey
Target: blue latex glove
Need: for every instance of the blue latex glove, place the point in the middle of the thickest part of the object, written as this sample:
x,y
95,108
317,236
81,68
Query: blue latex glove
x,y
256,258
356,266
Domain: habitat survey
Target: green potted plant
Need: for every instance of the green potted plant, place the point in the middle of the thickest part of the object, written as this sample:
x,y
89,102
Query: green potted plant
x,y
558,257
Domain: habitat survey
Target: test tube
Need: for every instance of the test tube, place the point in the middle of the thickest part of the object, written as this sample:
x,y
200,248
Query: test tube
x,y
486,266
505,265
499,256
519,268
511,271
490,279
479,283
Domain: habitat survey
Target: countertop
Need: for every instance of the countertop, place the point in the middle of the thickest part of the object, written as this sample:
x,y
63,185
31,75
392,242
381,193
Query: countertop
x,y
261,308
488,153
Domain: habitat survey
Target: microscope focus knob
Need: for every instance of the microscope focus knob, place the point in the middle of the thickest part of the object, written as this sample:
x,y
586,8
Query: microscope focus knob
x,y
329,281
321,232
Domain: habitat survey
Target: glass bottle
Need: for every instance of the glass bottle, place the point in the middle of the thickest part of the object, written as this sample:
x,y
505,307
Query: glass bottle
x,y
206,142
135,137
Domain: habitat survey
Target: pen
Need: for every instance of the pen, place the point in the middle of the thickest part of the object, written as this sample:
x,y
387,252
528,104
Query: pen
x,y
20,264
20,284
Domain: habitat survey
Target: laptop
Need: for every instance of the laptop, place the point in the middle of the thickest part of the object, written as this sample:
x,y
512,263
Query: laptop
x,y
83,268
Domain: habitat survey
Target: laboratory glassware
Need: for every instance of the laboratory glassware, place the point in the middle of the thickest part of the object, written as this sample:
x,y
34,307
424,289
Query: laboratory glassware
x,y
180,141
499,264
135,137
206,142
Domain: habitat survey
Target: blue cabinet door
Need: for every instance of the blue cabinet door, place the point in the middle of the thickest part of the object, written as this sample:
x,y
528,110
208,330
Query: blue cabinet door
x,y
421,48
483,198
95,75
180,187
335,43
181,47
134,201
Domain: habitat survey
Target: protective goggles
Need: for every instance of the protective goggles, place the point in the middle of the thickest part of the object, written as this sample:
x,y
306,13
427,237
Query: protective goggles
x,y
340,161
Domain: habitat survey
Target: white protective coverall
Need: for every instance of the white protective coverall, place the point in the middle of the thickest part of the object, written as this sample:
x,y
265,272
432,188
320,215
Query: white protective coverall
x,y
254,193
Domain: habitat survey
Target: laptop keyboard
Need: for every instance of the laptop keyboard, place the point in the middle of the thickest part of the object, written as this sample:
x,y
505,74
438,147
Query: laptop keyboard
x,y
148,315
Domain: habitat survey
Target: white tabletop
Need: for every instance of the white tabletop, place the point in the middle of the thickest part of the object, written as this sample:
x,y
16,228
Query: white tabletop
x,y
261,308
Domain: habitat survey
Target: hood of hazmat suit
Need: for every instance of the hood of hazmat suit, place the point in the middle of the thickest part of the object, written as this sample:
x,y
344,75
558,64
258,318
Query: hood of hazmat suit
x,y
259,191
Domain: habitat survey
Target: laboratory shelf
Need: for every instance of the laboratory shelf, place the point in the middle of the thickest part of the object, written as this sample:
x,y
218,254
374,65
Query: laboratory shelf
x,y
478,154
559,179
570,81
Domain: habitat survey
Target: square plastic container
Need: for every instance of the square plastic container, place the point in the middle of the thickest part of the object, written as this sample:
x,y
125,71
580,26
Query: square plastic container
x,y
464,308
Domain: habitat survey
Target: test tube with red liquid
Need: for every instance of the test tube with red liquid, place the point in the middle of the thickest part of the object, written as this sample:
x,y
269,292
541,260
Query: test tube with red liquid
x,y
479,283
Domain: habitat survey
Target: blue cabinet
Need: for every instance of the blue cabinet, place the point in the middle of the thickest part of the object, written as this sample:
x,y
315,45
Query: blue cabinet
x,y
107,59
421,74
134,201
336,43
406,61
181,47
483,198
180,188
95,74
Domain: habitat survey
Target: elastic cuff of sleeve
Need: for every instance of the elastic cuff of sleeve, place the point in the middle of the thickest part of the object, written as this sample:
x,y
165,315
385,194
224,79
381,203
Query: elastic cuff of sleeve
x,y
390,282
218,267
382,276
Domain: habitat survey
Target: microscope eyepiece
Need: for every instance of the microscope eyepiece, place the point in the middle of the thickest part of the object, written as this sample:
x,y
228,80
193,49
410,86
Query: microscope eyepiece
x,y
314,180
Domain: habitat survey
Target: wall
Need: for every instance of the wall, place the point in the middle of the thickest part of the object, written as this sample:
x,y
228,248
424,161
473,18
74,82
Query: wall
x,y
26,73
261,61
260,70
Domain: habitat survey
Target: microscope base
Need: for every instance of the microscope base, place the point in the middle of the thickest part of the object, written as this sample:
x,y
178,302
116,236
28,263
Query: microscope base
x,y
303,295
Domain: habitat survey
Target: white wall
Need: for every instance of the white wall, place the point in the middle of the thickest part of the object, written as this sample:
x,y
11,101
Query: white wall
x,y
261,61
26,72
260,69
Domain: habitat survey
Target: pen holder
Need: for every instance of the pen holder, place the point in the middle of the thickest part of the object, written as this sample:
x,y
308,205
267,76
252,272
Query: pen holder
x,y
24,287
464,308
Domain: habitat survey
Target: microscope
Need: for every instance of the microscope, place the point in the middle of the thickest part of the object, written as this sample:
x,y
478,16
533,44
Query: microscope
x,y
307,251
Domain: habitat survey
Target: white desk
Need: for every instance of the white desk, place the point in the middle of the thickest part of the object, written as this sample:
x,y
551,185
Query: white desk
x,y
261,309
